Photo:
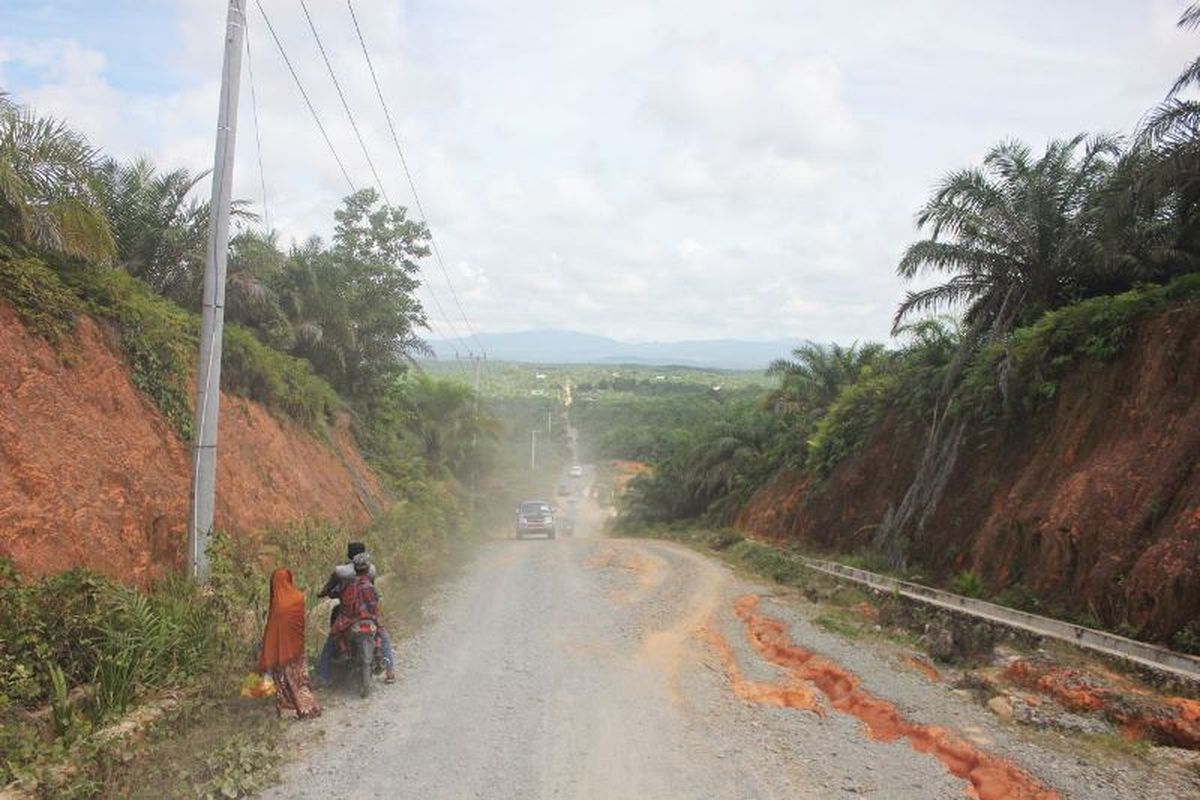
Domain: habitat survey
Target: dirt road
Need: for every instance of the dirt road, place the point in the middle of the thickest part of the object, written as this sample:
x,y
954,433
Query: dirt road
x,y
594,668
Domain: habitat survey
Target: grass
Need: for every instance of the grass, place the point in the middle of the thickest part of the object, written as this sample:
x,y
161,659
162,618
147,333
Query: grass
x,y
842,623
1107,744
87,650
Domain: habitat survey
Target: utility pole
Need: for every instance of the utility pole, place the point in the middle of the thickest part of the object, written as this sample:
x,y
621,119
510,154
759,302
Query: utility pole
x,y
533,451
212,316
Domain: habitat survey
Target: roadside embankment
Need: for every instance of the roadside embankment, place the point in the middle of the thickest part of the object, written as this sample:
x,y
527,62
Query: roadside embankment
x,y
1084,504
93,475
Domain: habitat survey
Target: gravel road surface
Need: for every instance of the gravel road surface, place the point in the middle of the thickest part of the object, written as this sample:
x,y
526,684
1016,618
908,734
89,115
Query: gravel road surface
x,y
596,668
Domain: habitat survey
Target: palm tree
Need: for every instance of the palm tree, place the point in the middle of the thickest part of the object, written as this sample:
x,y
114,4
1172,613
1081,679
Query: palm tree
x,y
1169,138
1015,237
48,187
445,422
159,226
813,376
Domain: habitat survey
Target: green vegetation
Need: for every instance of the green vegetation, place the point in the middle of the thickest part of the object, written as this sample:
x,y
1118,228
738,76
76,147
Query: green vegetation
x,y
1038,356
311,331
91,648
1043,260
967,584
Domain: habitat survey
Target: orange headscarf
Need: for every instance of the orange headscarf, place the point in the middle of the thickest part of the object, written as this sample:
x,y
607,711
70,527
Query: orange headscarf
x,y
283,640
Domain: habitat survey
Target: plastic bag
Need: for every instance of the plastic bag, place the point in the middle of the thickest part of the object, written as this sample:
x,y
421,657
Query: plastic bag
x,y
255,685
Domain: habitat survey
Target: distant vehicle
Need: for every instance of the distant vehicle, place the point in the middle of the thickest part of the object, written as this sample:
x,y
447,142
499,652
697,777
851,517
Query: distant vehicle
x,y
563,490
535,516
576,471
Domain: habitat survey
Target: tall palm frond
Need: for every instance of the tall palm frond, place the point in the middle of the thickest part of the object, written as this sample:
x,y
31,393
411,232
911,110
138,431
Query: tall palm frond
x,y
48,186
1014,236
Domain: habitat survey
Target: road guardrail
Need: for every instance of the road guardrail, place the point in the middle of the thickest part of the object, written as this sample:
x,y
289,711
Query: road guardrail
x,y
1149,655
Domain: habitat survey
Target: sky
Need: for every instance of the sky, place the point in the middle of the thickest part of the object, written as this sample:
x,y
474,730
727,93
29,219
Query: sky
x,y
641,170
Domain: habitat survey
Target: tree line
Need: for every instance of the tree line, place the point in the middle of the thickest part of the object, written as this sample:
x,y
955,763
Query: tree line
x,y
1023,239
345,307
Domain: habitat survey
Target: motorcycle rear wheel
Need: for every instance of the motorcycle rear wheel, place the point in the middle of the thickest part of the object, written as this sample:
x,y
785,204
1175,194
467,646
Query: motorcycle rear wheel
x,y
366,651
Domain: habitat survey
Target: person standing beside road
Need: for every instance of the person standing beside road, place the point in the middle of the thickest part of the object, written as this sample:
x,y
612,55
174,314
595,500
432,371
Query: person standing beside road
x,y
282,652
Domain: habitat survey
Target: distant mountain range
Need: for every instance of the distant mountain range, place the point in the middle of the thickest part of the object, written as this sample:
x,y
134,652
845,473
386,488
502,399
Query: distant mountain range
x,y
572,347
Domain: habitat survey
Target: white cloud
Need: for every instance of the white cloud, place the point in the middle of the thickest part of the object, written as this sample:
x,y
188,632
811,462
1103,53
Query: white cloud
x,y
645,170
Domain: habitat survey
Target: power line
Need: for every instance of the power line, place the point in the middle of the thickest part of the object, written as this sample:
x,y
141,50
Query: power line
x,y
333,150
262,175
337,85
411,183
304,94
345,105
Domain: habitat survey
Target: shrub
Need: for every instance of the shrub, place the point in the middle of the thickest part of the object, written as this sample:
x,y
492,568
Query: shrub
x,y
1187,639
41,301
281,382
967,584
844,429
90,629
160,340
1038,356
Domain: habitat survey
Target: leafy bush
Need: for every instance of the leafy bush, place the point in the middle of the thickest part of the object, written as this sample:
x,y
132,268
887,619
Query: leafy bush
x,y
243,767
160,340
844,429
46,307
281,382
1187,639
1034,360
1020,597
967,584
90,629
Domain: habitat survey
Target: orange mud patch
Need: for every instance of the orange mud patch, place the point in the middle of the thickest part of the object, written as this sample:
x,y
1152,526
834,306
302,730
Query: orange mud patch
x,y
1068,687
922,666
1189,710
625,471
92,476
990,778
793,694
866,611
1139,714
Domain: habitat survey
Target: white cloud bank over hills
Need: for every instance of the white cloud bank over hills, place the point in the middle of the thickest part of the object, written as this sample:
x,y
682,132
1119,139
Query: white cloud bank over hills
x,y
663,170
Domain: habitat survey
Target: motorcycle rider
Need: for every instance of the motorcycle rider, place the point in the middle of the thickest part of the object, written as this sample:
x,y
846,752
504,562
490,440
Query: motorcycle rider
x,y
343,576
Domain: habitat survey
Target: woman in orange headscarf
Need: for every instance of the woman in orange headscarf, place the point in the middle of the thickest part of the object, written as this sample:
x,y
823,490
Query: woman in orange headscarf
x,y
283,648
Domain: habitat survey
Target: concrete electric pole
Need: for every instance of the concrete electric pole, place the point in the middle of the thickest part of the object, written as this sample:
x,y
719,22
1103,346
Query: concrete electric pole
x,y
212,317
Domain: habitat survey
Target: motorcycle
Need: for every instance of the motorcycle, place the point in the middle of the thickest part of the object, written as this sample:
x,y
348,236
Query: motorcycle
x,y
359,652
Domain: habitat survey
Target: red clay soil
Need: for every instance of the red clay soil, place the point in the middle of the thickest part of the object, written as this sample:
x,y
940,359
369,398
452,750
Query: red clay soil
x,y
922,666
90,474
1173,721
991,778
1093,502
625,471
794,693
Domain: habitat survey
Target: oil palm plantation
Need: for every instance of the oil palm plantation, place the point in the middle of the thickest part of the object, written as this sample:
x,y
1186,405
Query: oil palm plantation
x,y
48,187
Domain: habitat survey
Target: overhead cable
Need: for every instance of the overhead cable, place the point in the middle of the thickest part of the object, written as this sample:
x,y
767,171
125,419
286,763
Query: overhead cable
x,y
411,183
367,154
345,105
304,94
262,175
